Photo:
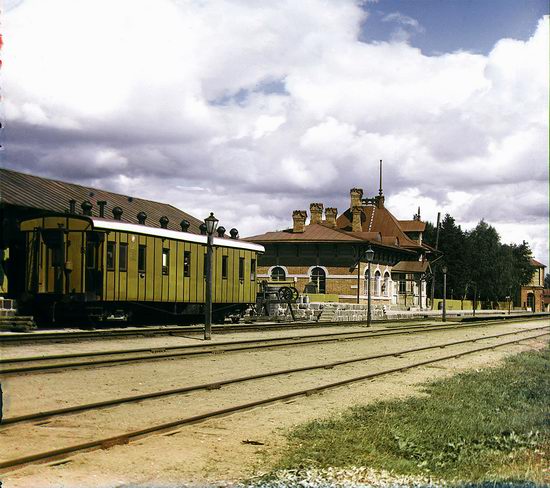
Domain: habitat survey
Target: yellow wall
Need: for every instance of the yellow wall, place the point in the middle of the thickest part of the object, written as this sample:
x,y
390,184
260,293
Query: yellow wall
x,y
130,284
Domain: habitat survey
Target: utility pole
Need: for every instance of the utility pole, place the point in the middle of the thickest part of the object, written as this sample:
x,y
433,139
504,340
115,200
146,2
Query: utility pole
x,y
433,270
444,312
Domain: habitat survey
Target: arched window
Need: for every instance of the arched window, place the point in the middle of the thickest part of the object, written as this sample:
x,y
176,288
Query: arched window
x,y
372,282
278,274
377,283
319,278
386,285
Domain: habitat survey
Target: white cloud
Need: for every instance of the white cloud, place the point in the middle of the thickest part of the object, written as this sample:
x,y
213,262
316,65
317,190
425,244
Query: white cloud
x,y
407,26
278,104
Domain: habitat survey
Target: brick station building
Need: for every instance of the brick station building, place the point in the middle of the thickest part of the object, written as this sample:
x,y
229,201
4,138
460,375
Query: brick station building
x,y
321,256
531,296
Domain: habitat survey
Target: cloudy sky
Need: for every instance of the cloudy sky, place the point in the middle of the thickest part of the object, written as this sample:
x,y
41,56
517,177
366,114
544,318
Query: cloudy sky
x,y
255,108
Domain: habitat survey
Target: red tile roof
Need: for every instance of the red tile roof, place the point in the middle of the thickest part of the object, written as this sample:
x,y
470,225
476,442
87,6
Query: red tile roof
x,y
536,264
411,266
312,233
34,192
412,225
374,219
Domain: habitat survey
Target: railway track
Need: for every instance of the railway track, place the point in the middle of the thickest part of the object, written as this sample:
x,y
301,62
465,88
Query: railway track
x,y
38,364
119,333
125,437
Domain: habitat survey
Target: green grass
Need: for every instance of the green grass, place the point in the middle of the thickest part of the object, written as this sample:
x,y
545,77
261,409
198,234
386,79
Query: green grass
x,y
492,425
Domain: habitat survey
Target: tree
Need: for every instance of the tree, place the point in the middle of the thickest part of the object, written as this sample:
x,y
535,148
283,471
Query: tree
x,y
547,281
484,259
477,260
514,267
429,234
452,243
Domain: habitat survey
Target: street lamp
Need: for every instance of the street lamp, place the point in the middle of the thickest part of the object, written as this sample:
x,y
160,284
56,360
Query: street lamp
x,y
444,316
369,254
211,223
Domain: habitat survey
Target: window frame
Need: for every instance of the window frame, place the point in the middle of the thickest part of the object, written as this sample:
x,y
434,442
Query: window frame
x,y
252,270
110,260
122,257
91,255
186,264
241,269
165,261
320,290
277,277
225,267
142,258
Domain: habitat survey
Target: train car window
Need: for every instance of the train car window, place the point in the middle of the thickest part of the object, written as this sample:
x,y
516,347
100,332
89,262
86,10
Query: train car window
x,y
252,270
165,261
123,256
110,256
142,253
187,263
90,255
224,267
241,269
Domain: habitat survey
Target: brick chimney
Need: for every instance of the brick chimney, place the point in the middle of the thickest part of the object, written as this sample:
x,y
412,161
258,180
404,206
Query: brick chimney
x,y
356,222
356,194
299,220
330,216
316,210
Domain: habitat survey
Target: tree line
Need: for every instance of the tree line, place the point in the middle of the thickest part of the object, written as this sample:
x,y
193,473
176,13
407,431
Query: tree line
x,y
479,266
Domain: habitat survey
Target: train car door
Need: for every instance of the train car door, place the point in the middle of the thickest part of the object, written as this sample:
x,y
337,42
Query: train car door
x,y
94,264
54,239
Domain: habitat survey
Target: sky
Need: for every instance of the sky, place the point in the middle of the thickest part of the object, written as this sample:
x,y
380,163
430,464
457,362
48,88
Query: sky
x,y
254,109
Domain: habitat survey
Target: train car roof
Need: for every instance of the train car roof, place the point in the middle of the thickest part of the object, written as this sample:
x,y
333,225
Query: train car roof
x,y
172,234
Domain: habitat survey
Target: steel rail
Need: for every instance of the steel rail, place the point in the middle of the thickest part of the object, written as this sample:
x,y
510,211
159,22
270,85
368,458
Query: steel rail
x,y
218,384
103,334
200,349
399,330
170,426
203,345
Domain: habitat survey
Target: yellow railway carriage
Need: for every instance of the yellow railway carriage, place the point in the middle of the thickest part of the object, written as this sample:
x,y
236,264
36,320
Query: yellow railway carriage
x,y
79,266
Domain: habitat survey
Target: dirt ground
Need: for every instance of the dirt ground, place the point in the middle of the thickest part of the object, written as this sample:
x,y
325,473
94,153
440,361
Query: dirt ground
x,y
211,453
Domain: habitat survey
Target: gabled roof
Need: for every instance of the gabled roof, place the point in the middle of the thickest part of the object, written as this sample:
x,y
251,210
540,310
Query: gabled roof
x,y
536,264
375,219
34,192
411,267
412,225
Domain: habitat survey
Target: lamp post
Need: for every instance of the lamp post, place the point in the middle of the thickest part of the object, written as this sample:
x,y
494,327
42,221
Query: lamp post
x,y
359,278
370,256
444,315
211,223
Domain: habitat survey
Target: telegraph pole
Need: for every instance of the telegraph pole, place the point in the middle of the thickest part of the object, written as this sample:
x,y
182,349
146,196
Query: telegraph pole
x,y
433,271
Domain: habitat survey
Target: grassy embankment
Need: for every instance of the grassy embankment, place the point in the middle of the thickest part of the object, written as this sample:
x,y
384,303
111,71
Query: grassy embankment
x,y
492,425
